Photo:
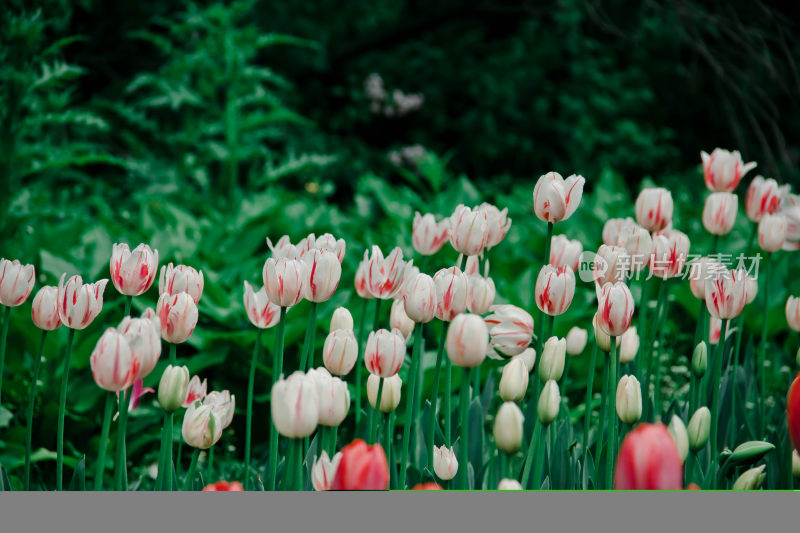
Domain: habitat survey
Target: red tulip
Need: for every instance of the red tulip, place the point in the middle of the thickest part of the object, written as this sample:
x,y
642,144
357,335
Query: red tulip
x,y
226,486
430,485
793,412
649,460
362,467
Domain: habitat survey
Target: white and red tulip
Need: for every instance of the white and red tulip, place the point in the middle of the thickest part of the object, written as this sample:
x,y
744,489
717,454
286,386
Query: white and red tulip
x,y
452,291
295,405
16,282
385,276
654,208
726,293
79,303
44,310
178,315
510,329
133,272
428,236
261,312
323,271
144,338
670,251
565,252
384,352
763,198
114,366
555,198
772,232
614,308
469,230
723,170
555,287
467,340
719,212
285,280
181,278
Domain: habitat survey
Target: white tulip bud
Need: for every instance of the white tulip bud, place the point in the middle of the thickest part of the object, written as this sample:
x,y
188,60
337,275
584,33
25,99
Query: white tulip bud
x,y
699,428
751,480
445,464
678,431
549,403
629,399
576,340
514,381
509,484
341,319
551,363
390,395
629,345
508,427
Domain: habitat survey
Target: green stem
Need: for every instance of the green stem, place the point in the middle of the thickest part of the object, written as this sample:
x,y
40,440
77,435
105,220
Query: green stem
x,y
187,481
652,356
3,336
733,426
715,386
103,445
37,363
210,465
249,423
172,350
530,457
62,407
642,329
298,464
611,415
551,462
277,369
375,414
388,439
170,483
538,461
463,424
587,417
657,359
359,366
120,474
411,415
307,357
762,349
164,475
435,395
603,410
128,302
448,402
332,442
540,340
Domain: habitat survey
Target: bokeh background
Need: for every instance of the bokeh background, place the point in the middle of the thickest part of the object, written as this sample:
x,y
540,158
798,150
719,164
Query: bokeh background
x,y
203,127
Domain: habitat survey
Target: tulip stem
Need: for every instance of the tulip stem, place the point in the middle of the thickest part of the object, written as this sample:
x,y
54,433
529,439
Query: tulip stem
x,y
762,349
187,481
411,414
172,350
375,414
359,367
37,363
120,464
448,402
388,439
307,355
164,476
463,424
642,329
612,417
651,352
538,461
435,395
3,336
103,445
657,359
732,425
603,413
128,302
277,369
62,406
587,416
715,386
249,423
210,465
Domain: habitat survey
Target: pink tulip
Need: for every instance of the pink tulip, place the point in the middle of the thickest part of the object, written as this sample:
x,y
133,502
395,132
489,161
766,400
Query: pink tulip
x,y
649,460
723,170
726,293
284,280
452,289
385,277
79,304
555,288
615,308
565,252
763,197
195,392
181,278
178,315
384,352
555,198
114,366
670,251
261,312
469,230
16,282
132,273
654,208
44,310
719,212
428,236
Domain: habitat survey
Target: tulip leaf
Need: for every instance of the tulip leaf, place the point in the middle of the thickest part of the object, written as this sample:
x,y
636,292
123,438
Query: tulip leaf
x,y
5,484
5,417
750,452
489,392
476,436
78,482
587,471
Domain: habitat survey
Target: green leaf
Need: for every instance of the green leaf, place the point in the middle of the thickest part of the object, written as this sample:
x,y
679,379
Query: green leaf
x,y
79,476
750,452
5,417
476,437
5,484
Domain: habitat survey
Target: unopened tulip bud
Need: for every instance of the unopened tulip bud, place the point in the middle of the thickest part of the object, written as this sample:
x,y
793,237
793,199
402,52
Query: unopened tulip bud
x,y
699,428
79,303
420,299
285,280
723,169
384,352
324,471
700,359
514,381
480,294
341,319
576,340
551,363
398,319
223,404
678,431
427,235
469,230
795,463
132,273
172,387
528,356
261,312
467,340
334,397
508,425
629,400
629,345
772,232
510,328
44,310
181,278
201,427
555,198
178,315
509,484
114,367
549,403
445,464
390,395
295,406
793,312
602,338
751,480
654,208
719,212
614,308
340,351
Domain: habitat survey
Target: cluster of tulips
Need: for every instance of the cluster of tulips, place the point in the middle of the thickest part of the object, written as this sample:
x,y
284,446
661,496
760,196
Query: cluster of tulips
x,y
628,447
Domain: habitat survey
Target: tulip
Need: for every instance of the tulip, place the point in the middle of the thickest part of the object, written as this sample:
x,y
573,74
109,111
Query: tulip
x,y
654,208
565,252
629,400
602,338
719,212
670,251
678,431
528,356
699,429
341,319
178,315
751,479
510,328
138,390
398,319
469,230
360,280
430,485
114,367
132,273
261,312
700,359
324,471
509,484
201,427
182,278
285,281
445,464
555,287
576,340
224,486
427,235
723,170
283,248
467,340
726,294
328,243
615,230
752,289
384,352
362,467
480,294
223,405
793,312
772,232
648,460
452,289
323,271
340,351
795,463
334,397
384,277
410,275
611,264
763,197
514,381
639,245
173,387
44,310
79,304
508,426
790,208
295,406
498,224
390,395
615,308
144,338
549,403
700,271
714,330
16,282
195,392
793,412
551,363
556,198
629,345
